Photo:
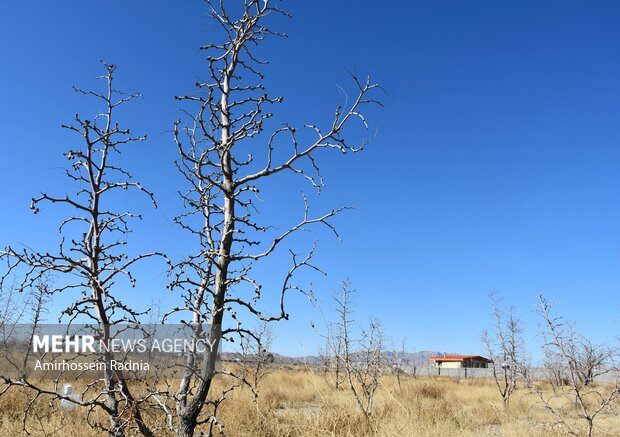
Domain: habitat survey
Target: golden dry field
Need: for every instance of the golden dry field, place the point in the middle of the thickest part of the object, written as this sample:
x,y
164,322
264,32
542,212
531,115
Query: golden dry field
x,y
300,402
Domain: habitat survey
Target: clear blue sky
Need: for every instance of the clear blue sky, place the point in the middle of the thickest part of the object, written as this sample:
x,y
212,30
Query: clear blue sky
x,y
495,165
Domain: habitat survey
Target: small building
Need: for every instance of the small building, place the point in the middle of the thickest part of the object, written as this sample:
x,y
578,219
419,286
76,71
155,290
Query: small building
x,y
461,361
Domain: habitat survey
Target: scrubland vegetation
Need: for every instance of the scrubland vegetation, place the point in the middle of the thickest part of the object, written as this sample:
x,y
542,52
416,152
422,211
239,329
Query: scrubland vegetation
x,y
229,152
300,402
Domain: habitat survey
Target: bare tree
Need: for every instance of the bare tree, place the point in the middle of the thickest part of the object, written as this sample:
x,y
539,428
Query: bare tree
x,y
17,308
333,354
256,355
363,358
91,258
217,150
13,305
341,335
579,363
337,348
396,361
326,360
554,369
368,367
506,348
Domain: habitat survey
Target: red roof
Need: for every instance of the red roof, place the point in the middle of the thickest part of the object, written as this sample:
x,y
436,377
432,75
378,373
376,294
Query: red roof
x,y
460,358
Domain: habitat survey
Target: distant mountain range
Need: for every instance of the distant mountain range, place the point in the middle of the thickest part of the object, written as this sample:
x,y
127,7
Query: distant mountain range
x,y
410,359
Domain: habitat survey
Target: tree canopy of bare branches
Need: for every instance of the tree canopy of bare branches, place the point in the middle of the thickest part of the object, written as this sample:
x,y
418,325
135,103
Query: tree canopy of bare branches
x,y
226,152
361,350
506,348
91,258
256,356
576,362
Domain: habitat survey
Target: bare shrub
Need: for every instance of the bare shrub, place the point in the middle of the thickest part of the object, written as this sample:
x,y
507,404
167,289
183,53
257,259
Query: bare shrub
x,y
506,348
363,356
256,355
576,363
396,361
432,391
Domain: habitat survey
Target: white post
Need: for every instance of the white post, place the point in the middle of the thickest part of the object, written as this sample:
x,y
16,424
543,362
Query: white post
x,y
67,391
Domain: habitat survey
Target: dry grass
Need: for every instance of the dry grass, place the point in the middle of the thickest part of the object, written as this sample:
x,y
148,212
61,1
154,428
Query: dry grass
x,y
297,402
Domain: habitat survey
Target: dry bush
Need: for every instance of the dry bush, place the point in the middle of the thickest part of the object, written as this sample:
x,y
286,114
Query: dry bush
x,y
576,402
431,390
